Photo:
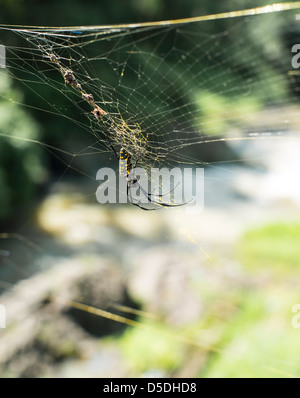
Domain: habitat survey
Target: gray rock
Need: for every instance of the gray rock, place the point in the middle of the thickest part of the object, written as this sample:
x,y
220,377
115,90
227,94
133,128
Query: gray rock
x,y
43,328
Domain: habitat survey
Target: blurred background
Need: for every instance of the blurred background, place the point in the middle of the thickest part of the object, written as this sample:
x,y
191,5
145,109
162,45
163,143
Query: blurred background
x,y
96,290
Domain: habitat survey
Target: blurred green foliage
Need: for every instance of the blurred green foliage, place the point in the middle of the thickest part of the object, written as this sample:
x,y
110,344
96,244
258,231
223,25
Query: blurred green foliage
x,y
21,163
275,247
152,347
248,321
215,108
261,341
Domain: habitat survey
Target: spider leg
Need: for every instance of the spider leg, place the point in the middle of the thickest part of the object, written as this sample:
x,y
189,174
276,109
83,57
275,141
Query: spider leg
x,y
132,180
144,208
110,143
152,194
163,204
163,194
150,200
129,194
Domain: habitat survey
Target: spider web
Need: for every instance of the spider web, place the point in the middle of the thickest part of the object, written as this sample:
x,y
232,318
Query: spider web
x,y
157,95
167,104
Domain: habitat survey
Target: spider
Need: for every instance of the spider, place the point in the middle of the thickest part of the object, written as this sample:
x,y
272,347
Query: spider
x,y
125,170
125,165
